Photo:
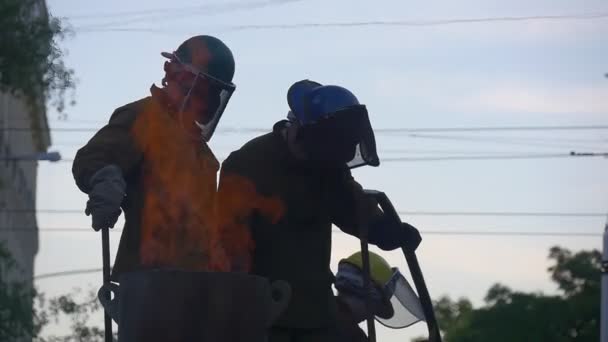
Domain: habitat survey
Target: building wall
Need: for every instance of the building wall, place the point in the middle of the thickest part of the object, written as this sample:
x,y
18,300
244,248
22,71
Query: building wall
x,y
18,227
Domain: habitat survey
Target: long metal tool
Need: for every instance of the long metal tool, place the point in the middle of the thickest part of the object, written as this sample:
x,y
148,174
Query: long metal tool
x,y
414,266
105,251
367,282
604,292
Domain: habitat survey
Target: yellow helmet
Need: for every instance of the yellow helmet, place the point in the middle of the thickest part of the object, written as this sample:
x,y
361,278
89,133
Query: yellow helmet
x,y
380,271
398,304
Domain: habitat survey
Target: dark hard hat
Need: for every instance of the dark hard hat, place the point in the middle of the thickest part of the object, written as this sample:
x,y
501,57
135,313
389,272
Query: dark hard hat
x,y
208,55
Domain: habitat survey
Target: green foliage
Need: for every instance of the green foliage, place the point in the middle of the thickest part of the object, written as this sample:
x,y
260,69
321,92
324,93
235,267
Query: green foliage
x,y
77,309
31,62
509,315
16,298
25,313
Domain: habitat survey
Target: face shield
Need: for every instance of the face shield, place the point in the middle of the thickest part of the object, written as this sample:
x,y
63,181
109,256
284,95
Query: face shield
x,y
219,95
333,127
342,137
396,305
407,309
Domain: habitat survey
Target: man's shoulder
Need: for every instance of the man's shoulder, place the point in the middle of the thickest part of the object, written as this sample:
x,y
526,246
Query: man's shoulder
x,y
126,115
257,151
260,143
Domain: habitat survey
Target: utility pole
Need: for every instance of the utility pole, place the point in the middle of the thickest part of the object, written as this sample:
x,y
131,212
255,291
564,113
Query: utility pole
x,y
604,302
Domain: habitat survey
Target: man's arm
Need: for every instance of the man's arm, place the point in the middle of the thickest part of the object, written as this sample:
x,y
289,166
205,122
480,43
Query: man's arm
x,y
349,204
100,168
352,207
111,145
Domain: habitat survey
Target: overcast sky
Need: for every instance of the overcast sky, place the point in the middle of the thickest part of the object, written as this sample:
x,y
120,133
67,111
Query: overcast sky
x,y
481,74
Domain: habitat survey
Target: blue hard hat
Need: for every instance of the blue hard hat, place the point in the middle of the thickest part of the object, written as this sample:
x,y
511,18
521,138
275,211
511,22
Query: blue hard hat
x,y
310,101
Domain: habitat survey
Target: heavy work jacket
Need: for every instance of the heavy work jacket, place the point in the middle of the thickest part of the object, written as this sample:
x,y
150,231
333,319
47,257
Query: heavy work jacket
x,y
296,246
171,183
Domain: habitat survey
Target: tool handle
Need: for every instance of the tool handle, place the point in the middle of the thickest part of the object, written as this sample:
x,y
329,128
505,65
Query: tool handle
x,y
105,253
423,294
412,263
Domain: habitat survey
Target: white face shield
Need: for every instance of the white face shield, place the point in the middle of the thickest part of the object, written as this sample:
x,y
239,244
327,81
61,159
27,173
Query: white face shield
x,y
406,305
402,307
220,93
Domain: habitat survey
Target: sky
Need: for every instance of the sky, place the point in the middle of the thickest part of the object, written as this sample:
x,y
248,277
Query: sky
x,y
474,74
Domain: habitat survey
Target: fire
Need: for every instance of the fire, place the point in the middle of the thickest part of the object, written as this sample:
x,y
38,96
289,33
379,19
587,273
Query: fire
x,y
185,224
237,200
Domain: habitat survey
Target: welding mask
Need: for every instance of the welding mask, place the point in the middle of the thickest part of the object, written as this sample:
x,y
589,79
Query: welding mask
x,y
211,61
333,127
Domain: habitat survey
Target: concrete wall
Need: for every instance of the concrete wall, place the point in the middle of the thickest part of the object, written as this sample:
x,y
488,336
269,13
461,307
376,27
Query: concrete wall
x,y
18,227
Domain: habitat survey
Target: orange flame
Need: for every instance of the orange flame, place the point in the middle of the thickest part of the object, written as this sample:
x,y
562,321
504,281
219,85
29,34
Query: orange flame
x,y
237,200
179,182
185,225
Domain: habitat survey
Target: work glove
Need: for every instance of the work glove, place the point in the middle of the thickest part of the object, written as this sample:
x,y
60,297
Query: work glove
x,y
410,238
106,195
389,236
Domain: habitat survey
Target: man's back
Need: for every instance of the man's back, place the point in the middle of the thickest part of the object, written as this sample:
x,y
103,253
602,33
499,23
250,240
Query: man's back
x,y
297,248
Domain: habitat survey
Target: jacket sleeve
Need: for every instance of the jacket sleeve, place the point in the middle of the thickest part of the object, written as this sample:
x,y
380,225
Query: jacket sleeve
x,y
350,206
112,144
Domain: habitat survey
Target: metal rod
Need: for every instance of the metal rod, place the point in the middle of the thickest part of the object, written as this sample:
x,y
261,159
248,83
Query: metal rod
x,y
604,300
363,222
105,250
423,294
367,284
415,271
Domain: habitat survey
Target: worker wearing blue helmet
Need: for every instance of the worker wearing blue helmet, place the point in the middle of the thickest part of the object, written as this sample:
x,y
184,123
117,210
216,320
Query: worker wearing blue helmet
x,y
305,163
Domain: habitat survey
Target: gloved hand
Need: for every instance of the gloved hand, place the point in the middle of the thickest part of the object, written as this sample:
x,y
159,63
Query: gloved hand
x,y
410,238
390,235
106,195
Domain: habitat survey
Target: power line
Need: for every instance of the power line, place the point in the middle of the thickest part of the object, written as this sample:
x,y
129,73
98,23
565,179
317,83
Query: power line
x,y
172,13
401,212
500,213
379,130
424,232
414,23
171,10
67,273
384,23
520,141
521,233
499,157
464,158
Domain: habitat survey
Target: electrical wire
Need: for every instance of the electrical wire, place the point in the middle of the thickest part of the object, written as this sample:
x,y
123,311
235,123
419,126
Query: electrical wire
x,y
467,158
520,141
401,212
67,273
430,232
379,130
181,13
375,23
499,157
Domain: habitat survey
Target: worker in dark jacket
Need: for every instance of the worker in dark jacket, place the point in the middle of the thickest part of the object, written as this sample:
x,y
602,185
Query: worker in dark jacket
x,y
152,161
305,162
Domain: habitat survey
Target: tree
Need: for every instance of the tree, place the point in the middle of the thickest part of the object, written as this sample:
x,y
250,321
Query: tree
x,y
16,298
572,315
24,313
77,308
31,62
